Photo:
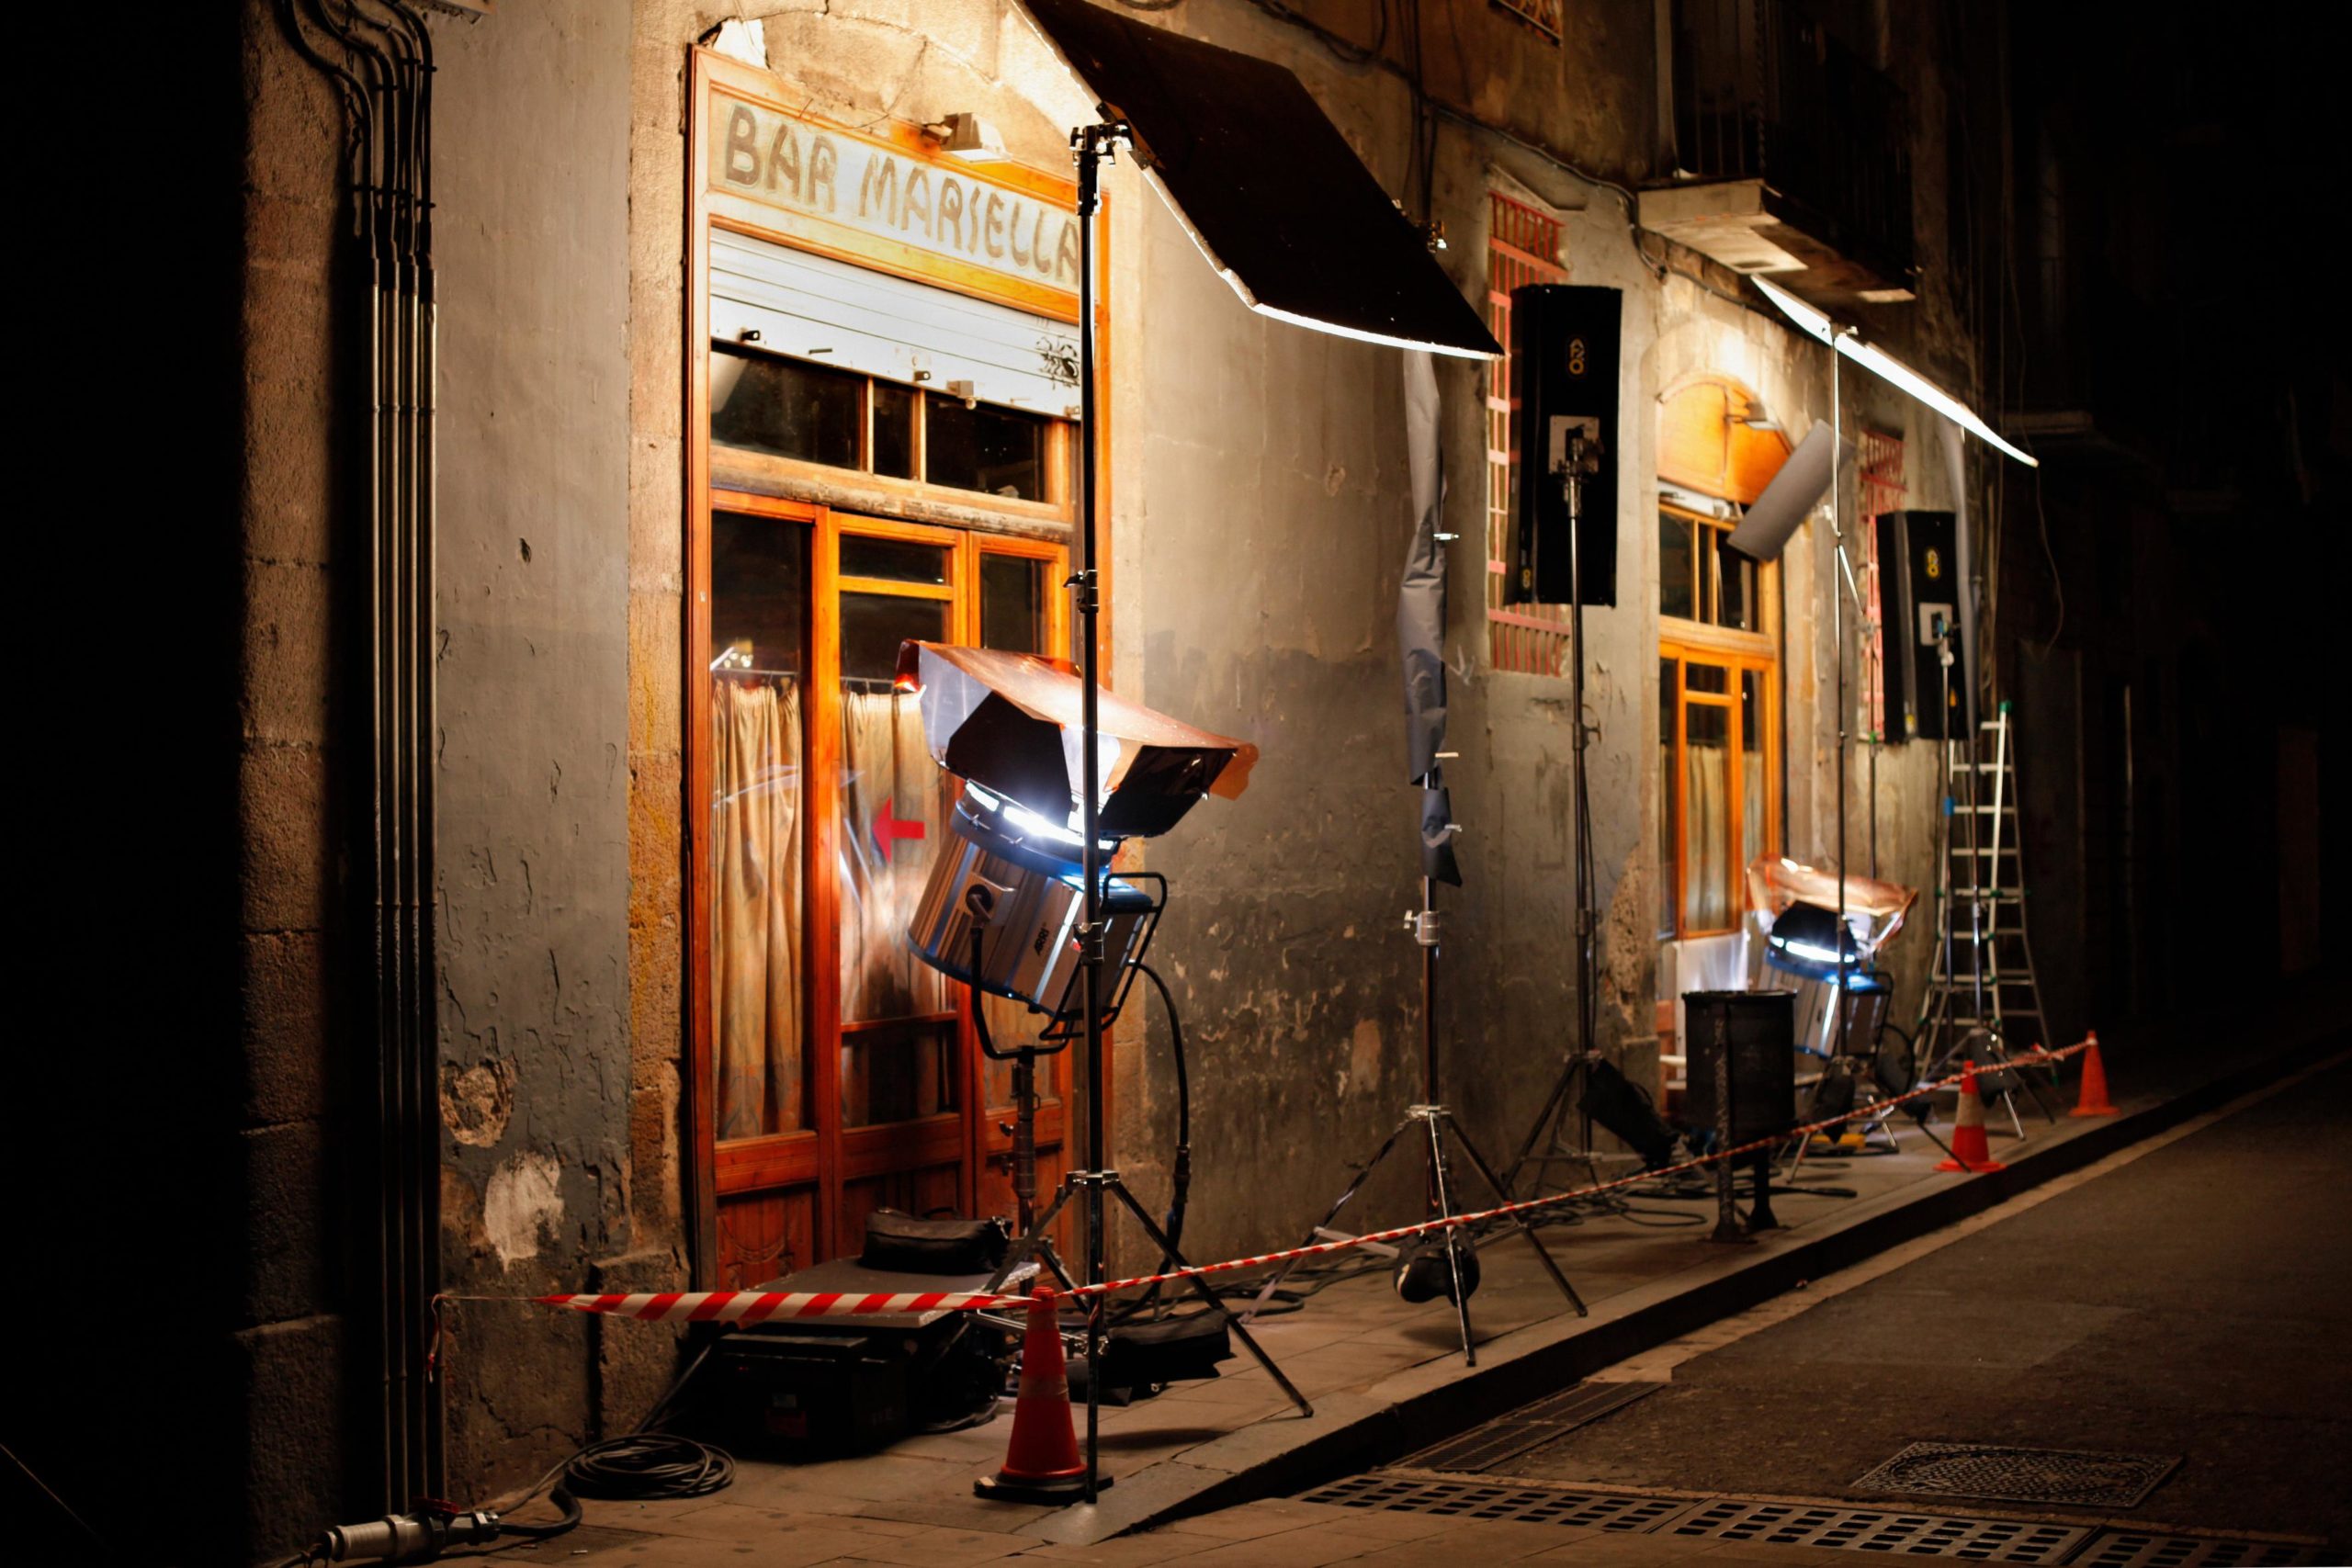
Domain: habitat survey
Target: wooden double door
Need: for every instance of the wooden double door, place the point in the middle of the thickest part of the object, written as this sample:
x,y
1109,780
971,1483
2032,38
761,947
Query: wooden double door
x,y
834,1073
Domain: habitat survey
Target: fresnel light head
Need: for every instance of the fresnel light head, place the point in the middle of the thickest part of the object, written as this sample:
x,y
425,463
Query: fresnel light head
x,y
1006,725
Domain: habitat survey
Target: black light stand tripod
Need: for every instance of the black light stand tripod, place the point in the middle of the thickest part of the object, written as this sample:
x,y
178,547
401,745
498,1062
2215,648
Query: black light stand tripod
x,y
1437,1124
1580,458
1092,146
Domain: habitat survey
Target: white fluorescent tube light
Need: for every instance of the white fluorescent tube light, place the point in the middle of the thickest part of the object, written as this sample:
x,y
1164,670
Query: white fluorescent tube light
x,y
1888,368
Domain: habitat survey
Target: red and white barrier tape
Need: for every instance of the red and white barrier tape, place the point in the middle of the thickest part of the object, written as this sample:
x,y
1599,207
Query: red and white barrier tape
x,y
760,1307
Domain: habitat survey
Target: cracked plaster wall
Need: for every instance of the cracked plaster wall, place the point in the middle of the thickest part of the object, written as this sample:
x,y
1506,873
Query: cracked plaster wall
x,y
532,121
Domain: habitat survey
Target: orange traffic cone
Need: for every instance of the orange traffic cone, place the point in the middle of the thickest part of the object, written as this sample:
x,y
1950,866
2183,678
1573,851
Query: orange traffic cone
x,y
1042,1462
1970,1151
2094,1096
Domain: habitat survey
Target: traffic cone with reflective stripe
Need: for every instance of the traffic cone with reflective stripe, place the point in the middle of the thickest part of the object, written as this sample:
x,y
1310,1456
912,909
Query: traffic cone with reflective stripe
x,y
1042,1462
1970,1150
2094,1101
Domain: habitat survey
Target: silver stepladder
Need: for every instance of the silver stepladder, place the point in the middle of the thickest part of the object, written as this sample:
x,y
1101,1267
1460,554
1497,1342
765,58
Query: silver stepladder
x,y
1982,990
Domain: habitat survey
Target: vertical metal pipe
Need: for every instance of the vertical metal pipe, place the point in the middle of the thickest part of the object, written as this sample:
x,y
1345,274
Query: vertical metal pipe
x,y
1580,804
386,90
1429,1091
1837,655
1092,146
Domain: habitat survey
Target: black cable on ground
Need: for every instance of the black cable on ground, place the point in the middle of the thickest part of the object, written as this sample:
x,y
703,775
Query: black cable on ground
x,y
643,1466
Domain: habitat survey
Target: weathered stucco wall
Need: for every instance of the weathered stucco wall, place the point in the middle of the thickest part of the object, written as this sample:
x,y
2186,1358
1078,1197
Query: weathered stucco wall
x,y
1262,522
532,768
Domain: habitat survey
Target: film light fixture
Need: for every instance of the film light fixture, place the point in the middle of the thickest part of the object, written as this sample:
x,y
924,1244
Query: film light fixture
x,y
1002,908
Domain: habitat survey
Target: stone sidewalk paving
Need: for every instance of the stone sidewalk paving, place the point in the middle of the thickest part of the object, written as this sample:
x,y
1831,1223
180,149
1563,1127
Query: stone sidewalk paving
x,y
1204,1473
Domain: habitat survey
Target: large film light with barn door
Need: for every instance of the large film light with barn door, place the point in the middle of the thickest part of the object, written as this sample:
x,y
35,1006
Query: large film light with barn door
x,y
1002,908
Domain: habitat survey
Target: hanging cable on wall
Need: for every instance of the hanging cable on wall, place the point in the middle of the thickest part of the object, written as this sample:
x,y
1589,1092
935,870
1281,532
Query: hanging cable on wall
x,y
379,59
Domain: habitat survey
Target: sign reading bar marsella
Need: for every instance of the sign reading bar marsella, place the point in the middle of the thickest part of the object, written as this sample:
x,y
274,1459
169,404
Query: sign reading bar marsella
x,y
844,191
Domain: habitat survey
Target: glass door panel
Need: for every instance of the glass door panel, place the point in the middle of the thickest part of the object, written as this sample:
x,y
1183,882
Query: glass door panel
x,y
1707,901
897,1016
758,659
1755,818
1670,791
1015,614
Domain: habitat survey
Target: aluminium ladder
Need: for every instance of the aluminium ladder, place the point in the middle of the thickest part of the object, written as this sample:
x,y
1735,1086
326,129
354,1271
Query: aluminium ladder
x,y
1982,985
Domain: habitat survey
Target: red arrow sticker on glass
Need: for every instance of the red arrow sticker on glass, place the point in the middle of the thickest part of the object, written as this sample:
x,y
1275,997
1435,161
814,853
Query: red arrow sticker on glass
x,y
888,827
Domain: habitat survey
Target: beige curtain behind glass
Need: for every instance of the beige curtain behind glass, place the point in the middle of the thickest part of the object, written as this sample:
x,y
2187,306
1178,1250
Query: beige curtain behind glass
x,y
890,828
1706,885
885,764
756,810
1751,808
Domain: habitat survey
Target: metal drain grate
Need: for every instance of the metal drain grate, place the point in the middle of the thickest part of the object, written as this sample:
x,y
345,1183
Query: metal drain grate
x,y
1483,1447
1527,1505
2022,1475
1879,1529
2143,1549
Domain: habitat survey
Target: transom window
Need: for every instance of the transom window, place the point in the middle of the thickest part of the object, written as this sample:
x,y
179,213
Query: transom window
x,y
1700,577
804,411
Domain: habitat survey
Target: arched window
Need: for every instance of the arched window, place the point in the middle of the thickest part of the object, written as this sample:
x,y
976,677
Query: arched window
x,y
1719,687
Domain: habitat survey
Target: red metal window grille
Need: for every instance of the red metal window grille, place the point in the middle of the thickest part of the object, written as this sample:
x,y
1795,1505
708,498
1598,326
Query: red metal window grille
x,y
1522,247
1881,484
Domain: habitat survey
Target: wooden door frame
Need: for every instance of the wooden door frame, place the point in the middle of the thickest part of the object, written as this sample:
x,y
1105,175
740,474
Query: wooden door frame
x,y
1028,532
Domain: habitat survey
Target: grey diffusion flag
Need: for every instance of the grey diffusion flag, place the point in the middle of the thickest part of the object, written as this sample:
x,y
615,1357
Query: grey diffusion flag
x,y
1420,622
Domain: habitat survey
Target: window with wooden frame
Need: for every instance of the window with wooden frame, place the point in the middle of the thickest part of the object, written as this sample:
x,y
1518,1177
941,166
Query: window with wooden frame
x,y
881,448
1522,247
1699,577
1878,480
1718,782
1719,720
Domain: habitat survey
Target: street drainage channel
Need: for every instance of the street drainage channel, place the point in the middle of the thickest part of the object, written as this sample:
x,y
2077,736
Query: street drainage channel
x,y
2074,1477
1838,1525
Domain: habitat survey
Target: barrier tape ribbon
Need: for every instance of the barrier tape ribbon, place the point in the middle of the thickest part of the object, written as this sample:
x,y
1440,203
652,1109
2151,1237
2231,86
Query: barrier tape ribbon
x,y
761,1306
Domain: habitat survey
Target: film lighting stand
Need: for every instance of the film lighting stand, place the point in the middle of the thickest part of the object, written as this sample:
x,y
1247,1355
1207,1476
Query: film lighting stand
x,y
1437,1124
1092,146
1578,456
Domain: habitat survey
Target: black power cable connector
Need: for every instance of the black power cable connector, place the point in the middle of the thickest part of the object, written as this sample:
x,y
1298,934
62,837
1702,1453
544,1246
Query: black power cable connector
x,y
642,1465
407,1538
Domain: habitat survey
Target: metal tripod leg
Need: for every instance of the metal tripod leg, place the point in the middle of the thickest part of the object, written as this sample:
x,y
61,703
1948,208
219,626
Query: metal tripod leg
x,y
1314,1234
1487,1173
1431,1118
1201,1287
1039,1241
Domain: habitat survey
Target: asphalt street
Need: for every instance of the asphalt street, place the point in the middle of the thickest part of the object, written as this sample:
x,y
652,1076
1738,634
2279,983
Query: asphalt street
x,y
2195,1300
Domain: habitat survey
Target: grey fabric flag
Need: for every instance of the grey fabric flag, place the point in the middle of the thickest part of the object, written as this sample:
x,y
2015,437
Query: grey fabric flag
x,y
1421,621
